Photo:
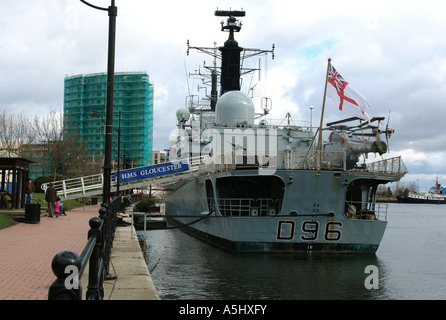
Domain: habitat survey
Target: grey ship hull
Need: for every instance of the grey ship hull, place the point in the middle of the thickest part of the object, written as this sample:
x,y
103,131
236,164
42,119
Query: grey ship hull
x,y
310,215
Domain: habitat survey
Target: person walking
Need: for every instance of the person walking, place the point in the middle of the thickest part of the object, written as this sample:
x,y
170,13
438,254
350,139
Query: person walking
x,y
29,190
50,197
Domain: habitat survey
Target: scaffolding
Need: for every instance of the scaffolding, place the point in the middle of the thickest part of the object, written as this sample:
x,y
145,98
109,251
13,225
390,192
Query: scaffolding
x,y
133,96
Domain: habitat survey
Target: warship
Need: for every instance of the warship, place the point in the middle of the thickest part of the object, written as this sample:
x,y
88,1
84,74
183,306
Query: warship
x,y
274,187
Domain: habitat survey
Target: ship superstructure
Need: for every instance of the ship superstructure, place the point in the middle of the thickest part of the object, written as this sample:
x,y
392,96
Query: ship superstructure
x,y
270,187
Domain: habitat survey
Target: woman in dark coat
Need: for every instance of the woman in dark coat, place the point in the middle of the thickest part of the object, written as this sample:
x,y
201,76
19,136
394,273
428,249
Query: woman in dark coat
x,y
50,197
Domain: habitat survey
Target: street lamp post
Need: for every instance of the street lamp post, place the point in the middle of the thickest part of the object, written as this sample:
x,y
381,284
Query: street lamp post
x,y
112,13
96,114
119,154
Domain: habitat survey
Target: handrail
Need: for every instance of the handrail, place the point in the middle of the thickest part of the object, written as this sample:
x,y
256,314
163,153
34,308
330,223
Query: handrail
x,y
86,253
68,266
391,165
248,206
371,210
84,186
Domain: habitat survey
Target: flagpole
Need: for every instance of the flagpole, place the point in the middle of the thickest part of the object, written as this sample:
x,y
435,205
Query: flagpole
x,y
319,142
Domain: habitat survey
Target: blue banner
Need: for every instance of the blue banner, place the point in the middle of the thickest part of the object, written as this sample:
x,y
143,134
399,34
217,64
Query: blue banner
x,y
151,171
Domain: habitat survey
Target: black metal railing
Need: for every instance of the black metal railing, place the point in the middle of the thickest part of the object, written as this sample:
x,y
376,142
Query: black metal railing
x,y
68,266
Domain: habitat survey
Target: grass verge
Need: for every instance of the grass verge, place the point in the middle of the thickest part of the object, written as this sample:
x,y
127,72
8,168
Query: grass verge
x,y
6,221
67,204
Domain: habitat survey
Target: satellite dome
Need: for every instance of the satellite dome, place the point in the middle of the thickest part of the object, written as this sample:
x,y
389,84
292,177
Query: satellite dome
x,y
183,114
235,107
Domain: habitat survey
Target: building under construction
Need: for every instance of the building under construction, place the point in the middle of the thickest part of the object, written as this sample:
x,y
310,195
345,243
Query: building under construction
x,y
85,98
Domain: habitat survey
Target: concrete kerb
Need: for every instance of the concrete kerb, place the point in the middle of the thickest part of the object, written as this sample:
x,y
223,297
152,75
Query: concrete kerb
x,y
133,281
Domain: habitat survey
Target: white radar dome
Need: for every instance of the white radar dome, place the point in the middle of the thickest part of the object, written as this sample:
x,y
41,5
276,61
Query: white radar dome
x,y
183,114
235,107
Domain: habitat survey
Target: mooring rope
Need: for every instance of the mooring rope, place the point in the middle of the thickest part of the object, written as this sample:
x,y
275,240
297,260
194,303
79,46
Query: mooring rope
x,y
181,225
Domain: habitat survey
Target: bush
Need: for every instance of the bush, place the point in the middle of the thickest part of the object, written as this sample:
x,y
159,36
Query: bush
x,y
44,179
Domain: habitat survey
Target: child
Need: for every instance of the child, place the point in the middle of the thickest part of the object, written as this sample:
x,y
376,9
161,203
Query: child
x,y
62,211
57,207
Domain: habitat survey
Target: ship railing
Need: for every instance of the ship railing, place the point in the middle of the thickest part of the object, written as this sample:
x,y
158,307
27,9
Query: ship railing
x,y
309,160
357,210
314,160
238,207
235,206
291,160
195,162
233,161
391,165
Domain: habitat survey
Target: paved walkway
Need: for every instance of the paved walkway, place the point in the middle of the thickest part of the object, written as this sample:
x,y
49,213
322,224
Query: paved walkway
x,y
26,252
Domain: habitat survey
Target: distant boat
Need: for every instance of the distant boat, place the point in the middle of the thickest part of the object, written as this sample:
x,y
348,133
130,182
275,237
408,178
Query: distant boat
x,y
436,194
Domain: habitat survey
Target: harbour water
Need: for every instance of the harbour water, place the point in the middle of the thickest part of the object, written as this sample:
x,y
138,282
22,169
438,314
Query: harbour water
x,y
409,264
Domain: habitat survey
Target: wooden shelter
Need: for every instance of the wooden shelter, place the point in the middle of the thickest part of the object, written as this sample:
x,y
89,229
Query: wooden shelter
x,y
14,173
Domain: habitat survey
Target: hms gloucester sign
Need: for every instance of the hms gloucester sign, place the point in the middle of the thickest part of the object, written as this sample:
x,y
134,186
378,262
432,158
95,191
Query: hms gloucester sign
x,y
151,171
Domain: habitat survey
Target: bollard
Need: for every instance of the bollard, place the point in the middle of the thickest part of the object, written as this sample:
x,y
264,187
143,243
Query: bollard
x,y
66,266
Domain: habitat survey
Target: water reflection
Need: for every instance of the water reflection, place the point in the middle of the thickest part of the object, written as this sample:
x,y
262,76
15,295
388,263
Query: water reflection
x,y
187,268
410,262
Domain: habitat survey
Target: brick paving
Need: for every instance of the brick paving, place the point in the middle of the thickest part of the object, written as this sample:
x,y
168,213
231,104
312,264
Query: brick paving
x,y
26,252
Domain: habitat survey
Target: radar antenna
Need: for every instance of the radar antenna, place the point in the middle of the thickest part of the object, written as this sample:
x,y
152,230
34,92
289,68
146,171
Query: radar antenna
x,y
230,54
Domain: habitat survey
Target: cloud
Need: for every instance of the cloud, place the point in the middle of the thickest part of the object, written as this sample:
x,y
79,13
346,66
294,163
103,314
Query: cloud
x,y
393,52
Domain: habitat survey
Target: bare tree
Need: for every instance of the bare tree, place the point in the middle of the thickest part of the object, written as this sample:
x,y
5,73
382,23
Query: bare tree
x,y
16,135
67,152
403,189
46,141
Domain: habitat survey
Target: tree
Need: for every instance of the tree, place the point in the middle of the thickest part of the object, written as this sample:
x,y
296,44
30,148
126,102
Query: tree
x,y
389,191
16,135
403,189
46,141
67,152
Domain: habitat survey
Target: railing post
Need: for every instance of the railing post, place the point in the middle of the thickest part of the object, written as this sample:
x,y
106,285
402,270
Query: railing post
x,y
82,185
66,266
95,290
64,188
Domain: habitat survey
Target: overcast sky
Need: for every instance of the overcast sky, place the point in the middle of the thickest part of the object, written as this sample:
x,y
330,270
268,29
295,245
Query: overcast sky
x,y
393,52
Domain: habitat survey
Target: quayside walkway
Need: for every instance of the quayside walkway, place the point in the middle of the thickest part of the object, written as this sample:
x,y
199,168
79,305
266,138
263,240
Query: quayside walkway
x,y
26,252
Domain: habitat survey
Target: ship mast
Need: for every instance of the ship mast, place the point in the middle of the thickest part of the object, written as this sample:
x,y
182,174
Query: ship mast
x,y
230,55
230,52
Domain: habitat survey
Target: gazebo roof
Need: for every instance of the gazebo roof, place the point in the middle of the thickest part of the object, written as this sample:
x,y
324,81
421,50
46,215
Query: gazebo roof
x,y
18,162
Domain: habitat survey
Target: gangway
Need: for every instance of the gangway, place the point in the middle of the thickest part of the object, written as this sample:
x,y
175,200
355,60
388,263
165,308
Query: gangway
x,y
167,176
93,185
